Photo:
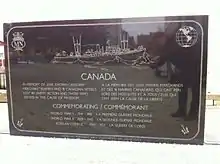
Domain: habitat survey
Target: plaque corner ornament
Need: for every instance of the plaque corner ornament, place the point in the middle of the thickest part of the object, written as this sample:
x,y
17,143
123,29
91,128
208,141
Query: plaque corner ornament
x,y
18,41
184,129
20,123
186,36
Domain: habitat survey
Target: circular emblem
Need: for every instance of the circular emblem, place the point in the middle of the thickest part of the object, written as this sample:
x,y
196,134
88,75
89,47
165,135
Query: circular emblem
x,y
18,42
186,36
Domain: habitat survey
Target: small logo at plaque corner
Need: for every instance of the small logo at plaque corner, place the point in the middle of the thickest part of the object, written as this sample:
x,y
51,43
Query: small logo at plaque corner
x,y
186,36
20,122
18,42
184,129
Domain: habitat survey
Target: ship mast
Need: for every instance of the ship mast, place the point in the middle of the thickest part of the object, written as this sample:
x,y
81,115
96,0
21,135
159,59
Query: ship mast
x,y
77,45
124,41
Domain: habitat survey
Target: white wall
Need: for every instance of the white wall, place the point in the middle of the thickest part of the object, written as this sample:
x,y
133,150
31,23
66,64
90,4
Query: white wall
x,y
24,10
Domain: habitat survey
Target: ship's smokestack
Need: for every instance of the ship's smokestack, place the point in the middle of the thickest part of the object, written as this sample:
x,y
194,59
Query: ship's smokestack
x,y
77,45
124,41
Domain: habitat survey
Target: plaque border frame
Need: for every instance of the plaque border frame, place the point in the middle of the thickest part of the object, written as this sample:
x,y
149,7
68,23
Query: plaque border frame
x,y
96,24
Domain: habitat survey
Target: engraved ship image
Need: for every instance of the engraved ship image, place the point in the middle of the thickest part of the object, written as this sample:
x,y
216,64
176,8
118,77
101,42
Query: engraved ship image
x,y
111,53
